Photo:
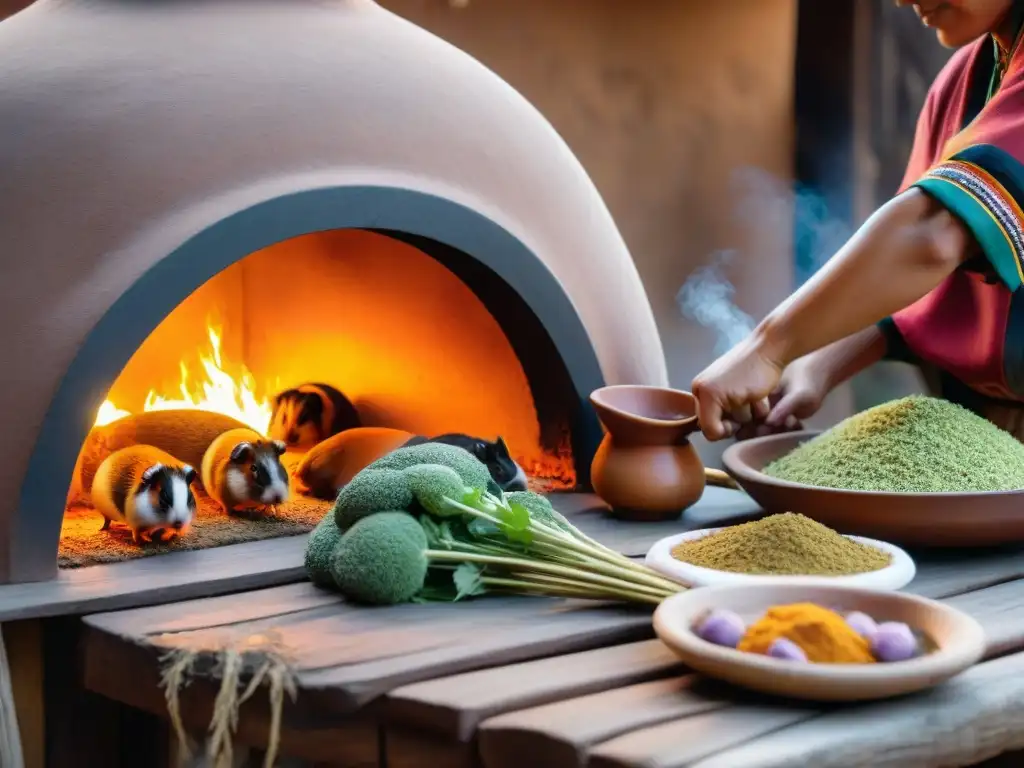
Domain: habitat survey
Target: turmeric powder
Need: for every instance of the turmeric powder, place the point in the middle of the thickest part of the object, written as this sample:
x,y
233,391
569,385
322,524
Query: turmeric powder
x,y
822,634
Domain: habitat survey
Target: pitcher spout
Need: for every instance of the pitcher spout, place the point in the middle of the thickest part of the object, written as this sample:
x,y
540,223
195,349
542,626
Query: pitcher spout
x,y
643,415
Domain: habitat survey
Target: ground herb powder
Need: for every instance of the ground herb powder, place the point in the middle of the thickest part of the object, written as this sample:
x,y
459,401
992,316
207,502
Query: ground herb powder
x,y
912,445
782,545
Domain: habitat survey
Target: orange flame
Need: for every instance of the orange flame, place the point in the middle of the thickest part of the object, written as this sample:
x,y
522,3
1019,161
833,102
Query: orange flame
x,y
219,393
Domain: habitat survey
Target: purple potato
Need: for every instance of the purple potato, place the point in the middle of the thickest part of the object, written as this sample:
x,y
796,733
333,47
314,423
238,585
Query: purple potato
x,y
722,627
893,641
784,648
862,624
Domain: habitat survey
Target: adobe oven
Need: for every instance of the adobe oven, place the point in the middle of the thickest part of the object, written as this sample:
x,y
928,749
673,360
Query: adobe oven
x,y
211,200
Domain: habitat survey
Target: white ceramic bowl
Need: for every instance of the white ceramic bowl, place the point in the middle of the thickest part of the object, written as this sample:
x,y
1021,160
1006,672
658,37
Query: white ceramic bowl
x,y
896,575
960,640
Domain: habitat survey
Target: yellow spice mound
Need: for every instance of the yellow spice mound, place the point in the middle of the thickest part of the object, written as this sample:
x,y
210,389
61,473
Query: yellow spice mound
x,y
785,544
823,635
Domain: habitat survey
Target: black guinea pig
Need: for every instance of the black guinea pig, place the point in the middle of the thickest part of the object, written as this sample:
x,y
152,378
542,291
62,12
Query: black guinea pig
x,y
503,468
309,414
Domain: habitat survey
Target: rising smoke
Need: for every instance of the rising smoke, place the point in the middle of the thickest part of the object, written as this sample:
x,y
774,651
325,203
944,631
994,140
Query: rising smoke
x,y
796,216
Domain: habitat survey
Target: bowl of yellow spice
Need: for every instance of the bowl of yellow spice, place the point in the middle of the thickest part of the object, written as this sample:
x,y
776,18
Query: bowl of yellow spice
x,y
777,549
819,643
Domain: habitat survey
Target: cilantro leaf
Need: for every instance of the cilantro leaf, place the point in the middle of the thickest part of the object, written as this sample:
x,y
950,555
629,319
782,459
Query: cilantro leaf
x,y
467,581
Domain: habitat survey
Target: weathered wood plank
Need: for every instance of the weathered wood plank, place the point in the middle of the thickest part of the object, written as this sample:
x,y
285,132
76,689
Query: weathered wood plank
x,y
130,674
348,655
563,736
682,742
252,565
559,735
454,706
944,574
160,579
225,610
999,610
718,506
969,719
410,749
349,687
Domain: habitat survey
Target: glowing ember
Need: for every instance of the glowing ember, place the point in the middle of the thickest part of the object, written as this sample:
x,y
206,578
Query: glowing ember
x,y
220,392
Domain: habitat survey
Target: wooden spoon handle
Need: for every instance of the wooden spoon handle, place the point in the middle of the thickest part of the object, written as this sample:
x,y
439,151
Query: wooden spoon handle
x,y
720,478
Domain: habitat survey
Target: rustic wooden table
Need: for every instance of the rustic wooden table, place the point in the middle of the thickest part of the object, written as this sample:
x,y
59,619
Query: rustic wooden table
x,y
539,683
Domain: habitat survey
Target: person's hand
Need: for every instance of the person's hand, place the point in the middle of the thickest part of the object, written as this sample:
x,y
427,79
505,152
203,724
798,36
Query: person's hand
x,y
801,391
734,390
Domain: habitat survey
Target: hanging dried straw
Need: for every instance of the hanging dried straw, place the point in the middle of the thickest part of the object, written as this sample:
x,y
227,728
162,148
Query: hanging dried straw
x,y
251,662
10,737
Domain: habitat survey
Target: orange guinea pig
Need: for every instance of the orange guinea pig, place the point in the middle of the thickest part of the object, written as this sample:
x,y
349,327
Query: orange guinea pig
x,y
330,465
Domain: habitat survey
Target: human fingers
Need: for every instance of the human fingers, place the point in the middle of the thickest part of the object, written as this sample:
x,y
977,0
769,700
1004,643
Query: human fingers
x,y
760,409
792,406
742,414
709,415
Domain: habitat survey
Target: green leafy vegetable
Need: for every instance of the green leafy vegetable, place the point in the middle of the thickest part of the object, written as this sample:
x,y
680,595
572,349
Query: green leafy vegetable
x,y
372,490
472,471
515,523
319,549
468,581
380,560
433,484
460,537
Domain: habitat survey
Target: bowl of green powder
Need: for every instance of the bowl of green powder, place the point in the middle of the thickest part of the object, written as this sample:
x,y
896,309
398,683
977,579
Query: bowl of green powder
x,y
918,470
780,548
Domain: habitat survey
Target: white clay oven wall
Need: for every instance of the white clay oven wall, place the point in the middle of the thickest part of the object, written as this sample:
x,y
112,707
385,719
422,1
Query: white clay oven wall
x,y
147,146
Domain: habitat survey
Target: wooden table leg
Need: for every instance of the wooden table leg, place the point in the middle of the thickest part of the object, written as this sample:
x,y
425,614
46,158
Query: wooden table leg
x,y
24,644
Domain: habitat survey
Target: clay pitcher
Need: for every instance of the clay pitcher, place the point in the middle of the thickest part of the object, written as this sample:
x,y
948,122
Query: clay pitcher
x,y
646,468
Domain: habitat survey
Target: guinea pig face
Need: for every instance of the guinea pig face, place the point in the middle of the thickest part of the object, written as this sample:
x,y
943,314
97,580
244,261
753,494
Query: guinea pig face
x,y
503,468
265,478
296,420
164,499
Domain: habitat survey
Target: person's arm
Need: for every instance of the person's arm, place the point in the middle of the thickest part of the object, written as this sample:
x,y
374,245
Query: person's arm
x,y
902,252
813,376
847,357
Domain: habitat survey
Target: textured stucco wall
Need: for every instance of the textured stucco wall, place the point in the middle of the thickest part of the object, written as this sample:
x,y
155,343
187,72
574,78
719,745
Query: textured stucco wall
x,y
662,101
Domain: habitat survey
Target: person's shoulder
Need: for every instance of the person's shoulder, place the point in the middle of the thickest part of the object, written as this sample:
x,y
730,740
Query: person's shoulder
x,y
949,85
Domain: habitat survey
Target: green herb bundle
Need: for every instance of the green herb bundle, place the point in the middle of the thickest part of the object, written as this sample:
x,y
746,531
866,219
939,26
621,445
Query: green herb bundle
x,y
427,523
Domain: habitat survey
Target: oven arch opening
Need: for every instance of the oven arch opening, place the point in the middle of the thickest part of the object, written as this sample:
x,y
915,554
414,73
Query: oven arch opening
x,y
456,235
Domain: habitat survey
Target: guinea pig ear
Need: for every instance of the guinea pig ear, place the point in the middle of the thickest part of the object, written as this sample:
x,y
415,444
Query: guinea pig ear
x,y
190,474
149,476
500,448
279,446
242,452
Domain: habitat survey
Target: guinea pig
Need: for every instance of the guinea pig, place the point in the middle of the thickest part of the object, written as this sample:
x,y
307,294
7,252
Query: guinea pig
x,y
184,434
242,470
503,468
309,414
146,489
330,465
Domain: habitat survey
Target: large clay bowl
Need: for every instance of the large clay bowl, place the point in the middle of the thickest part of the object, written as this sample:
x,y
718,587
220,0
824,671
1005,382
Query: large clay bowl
x,y
960,641
917,519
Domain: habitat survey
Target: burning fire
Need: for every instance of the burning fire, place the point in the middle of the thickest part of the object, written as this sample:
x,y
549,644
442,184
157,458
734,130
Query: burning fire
x,y
219,393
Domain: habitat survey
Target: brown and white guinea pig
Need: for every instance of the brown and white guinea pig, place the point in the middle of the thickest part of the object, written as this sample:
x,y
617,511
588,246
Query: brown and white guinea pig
x,y
146,489
503,468
309,414
242,470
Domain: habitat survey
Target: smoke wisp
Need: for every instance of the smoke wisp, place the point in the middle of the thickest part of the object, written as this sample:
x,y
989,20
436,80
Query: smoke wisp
x,y
797,218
